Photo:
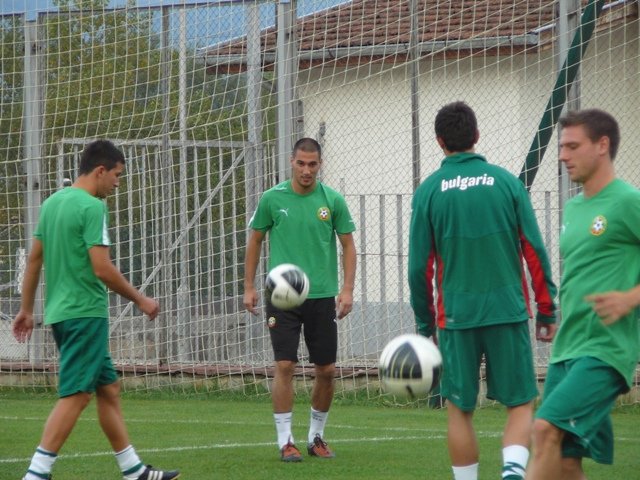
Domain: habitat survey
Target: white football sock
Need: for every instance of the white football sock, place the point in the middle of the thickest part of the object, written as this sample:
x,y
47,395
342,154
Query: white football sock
x,y
317,422
514,458
41,464
283,427
130,464
468,472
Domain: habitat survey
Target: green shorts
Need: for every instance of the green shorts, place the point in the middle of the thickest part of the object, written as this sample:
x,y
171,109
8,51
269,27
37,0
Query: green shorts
x,y
578,397
85,362
507,351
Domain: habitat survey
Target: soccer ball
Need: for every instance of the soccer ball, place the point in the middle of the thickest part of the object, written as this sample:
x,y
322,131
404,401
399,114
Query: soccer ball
x,y
287,286
410,366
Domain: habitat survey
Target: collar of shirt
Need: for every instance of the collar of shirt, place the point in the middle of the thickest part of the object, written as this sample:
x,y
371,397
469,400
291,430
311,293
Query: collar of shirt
x,y
462,157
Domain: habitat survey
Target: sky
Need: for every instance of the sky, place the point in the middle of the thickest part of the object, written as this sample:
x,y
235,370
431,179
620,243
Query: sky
x,y
33,6
207,25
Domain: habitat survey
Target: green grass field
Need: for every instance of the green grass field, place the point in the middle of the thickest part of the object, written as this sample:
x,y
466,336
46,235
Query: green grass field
x,y
228,437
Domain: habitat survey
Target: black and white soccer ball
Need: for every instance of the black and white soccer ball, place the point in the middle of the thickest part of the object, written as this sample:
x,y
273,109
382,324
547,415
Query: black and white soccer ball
x,y
287,286
410,366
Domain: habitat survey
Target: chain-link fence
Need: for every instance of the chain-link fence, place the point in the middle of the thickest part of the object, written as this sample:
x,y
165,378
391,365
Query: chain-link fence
x,y
205,100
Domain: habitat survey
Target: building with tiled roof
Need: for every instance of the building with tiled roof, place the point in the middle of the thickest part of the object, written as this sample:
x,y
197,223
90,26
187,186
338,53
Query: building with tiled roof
x,y
364,31
354,87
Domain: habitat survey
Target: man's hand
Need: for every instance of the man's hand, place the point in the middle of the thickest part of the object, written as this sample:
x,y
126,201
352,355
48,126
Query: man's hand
x,y
250,300
149,306
545,331
344,303
22,326
611,306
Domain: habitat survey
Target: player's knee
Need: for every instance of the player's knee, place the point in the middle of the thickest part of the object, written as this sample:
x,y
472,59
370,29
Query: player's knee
x,y
85,399
572,468
522,413
326,372
545,433
285,368
110,391
79,401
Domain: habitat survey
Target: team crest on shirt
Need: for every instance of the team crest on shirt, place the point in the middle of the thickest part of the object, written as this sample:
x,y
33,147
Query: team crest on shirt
x,y
598,225
271,322
324,214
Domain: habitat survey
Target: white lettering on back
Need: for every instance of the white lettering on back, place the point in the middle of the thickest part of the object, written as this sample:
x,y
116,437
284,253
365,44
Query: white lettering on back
x,y
462,183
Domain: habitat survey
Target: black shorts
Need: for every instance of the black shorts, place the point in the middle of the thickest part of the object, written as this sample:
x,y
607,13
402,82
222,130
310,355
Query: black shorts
x,y
318,317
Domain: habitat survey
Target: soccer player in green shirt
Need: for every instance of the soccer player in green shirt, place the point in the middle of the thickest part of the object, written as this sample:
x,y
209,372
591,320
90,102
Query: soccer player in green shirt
x,y
72,243
472,230
303,217
595,351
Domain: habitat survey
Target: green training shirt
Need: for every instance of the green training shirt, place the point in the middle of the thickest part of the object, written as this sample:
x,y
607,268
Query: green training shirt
x,y
71,222
600,247
302,230
472,229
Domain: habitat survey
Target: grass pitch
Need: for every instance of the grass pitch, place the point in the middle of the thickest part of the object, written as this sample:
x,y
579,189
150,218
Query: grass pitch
x,y
226,437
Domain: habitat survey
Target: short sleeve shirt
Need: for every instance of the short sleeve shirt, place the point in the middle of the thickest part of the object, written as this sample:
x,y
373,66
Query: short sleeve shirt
x,y
600,248
71,222
302,230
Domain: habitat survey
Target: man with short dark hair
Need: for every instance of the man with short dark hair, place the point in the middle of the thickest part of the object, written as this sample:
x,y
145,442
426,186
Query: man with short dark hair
x,y
72,242
595,352
472,228
303,217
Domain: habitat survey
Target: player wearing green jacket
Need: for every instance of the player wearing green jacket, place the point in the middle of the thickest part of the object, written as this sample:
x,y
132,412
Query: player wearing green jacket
x,y
472,230
303,217
595,351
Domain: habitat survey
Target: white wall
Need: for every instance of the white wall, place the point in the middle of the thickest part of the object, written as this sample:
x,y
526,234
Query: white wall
x,y
367,146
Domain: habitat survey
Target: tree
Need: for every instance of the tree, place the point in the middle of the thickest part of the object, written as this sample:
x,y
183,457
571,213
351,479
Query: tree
x,y
103,77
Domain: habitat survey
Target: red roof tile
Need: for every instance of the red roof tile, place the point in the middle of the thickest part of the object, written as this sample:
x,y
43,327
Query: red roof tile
x,y
379,30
